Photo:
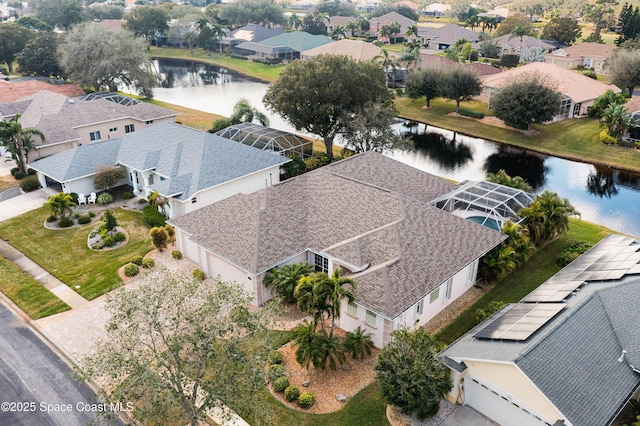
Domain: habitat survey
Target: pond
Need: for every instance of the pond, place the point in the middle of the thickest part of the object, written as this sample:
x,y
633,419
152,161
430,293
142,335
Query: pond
x,y
605,196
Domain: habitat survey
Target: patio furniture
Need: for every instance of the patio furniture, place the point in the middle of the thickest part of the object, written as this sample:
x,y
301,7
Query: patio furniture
x,y
82,199
92,198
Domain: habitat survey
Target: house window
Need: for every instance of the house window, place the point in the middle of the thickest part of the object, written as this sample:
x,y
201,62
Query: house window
x,y
128,128
321,263
447,289
371,318
472,272
94,136
434,295
419,308
113,129
352,309
194,200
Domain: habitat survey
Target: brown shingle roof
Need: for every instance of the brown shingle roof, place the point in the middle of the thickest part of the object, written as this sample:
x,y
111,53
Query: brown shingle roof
x,y
583,50
367,209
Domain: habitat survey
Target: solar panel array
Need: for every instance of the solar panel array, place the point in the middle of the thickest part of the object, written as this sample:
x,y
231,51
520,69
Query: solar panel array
x,y
610,259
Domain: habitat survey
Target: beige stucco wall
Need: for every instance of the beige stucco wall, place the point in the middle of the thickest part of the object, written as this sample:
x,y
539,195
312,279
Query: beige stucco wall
x,y
104,128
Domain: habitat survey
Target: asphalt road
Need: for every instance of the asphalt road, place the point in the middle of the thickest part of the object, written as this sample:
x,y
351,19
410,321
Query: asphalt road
x,y
36,386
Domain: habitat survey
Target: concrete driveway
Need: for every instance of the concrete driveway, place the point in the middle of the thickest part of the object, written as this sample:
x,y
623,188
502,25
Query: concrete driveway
x,y
23,203
465,416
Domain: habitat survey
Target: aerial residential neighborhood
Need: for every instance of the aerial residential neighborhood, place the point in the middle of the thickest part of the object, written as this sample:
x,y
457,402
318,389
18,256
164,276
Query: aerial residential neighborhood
x,y
319,212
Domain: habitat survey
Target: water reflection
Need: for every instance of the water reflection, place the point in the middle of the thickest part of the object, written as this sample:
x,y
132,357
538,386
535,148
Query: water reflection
x,y
447,152
601,182
518,162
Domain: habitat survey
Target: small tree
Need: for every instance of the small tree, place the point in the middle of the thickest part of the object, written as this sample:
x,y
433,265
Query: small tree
x,y
617,120
18,141
503,178
358,343
603,101
284,280
427,83
547,217
110,221
410,375
563,29
461,85
625,69
107,177
159,238
60,204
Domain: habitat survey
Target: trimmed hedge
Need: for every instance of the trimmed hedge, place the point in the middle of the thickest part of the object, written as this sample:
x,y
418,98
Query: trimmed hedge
x,y
84,219
131,270
148,262
176,254
105,198
280,384
470,113
52,218
65,222
306,399
30,183
274,357
199,275
292,393
152,217
137,260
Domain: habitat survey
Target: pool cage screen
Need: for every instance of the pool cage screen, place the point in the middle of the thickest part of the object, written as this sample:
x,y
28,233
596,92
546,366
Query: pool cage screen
x,y
266,138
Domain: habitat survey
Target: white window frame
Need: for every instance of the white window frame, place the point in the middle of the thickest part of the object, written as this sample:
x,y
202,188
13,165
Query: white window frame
x,y
352,309
447,288
419,308
370,318
95,136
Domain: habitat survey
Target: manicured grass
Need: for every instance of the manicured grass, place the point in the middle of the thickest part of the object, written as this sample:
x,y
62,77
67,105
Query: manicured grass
x,y
30,296
257,70
9,183
575,139
540,266
189,117
64,253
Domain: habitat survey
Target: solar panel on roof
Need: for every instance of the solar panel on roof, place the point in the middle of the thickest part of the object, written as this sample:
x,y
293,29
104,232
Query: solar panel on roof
x,y
520,322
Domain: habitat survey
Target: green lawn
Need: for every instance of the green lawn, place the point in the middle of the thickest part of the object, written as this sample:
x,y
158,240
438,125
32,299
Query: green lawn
x,y
64,253
528,277
30,296
575,139
257,70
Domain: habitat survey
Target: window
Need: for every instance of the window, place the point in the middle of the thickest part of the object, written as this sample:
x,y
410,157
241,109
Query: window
x,y
94,136
371,318
194,200
128,128
447,290
321,263
472,272
113,129
149,122
434,295
419,308
352,309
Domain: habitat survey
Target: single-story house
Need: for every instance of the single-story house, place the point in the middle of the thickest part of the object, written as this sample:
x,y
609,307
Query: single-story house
x,y
369,216
189,167
568,353
357,50
436,9
376,24
512,45
70,122
286,46
442,38
578,91
587,55
249,32
341,21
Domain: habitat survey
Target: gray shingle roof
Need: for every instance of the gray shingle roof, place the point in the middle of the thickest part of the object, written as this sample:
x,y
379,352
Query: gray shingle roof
x,y
367,209
192,160
296,41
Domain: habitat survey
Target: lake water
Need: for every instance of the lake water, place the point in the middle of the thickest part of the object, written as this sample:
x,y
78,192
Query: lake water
x,y
608,197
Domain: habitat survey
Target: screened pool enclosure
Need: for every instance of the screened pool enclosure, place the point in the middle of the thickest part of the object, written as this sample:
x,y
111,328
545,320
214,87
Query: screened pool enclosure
x,y
266,138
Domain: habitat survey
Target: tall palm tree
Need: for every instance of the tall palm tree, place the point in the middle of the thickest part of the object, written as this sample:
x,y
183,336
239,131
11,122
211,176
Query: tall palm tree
x,y
352,27
519,31
339,32
388,62
307,351
412,31
518,240
337,289
395,29
385,32
294,21
284,280
243,112
547,217
311,297
18,141
158,201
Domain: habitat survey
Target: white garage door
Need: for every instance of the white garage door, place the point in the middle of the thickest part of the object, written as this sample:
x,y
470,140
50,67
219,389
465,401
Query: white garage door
x,y
497,407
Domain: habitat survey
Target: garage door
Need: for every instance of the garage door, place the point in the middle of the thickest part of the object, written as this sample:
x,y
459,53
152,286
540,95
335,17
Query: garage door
x,y
497,407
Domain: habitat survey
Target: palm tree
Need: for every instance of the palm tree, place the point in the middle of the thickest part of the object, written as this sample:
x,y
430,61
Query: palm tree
x,y
518,240
617,120
519,31
243,112
385,32
412,31
294,21
498,262
311,297
284,280
395,28
338,288
329,350
339,32
353,26
358,343
158,201
503,178
18,141
547,217
60,204
307,352
388,62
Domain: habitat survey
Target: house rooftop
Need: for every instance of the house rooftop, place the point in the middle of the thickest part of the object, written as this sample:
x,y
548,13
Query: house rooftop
x,y
14,90
357,50
368,212
296,41
584,50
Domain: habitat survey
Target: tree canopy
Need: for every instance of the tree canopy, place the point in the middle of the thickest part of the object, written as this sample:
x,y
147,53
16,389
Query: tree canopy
x,y
94,56
563,29
147,22
322,94
261,12
39,56
14,38
547,217
424,82
510,23
369,129
60,13
460,85
625,69
410,375
524,102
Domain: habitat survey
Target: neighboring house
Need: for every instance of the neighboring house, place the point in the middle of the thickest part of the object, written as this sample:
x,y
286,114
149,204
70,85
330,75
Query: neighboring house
x,y
356,50
511,45
303,4
286,46
483,69
578,91
443,37
568,353
189,167
587,55
437,10
340,21
633,132
20,88
70,122
376,24
410,4
250,32
367,215
368,6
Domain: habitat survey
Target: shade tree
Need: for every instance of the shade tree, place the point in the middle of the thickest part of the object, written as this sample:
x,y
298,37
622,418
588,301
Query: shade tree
x,y
624,69
14,38
563,29
147,22
460,85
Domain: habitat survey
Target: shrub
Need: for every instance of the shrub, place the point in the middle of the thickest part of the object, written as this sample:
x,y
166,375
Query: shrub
x,y
127,195
137,260
176,254
607,139
30,183
131,270
509,61
52,218
84,219
92,214
14,170
590,73
318,159
19,175
280,384
110,221
199,275
76,215
268,61
31,172
306,399
74,197
148,262
159,238
292,393
274,357
238,56
470,113
109,241
65,222
574,249
152,217
105,198
274,372
171,232
119,237
487,311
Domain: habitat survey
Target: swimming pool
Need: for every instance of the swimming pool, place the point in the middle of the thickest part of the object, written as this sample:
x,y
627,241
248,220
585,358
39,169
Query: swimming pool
x,y
485,221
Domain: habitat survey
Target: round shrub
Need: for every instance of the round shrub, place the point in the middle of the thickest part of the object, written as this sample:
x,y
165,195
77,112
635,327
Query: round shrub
x,y
52,218
105,198
127,195
31,172
65,222
280,384
306,399
19,175
137,260
274,357
14,170
148,262
76,216
92,214
605,138
152,217
131,270
176,254
119,237
109,241
274,372
292,393
199,275
30,183
74,197
84,219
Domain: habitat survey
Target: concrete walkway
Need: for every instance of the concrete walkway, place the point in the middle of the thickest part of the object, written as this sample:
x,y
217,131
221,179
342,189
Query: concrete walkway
x,y
50,282
16,206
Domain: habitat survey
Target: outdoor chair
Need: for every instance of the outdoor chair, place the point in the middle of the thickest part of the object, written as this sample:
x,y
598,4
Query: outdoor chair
x,y
92,198
82,199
